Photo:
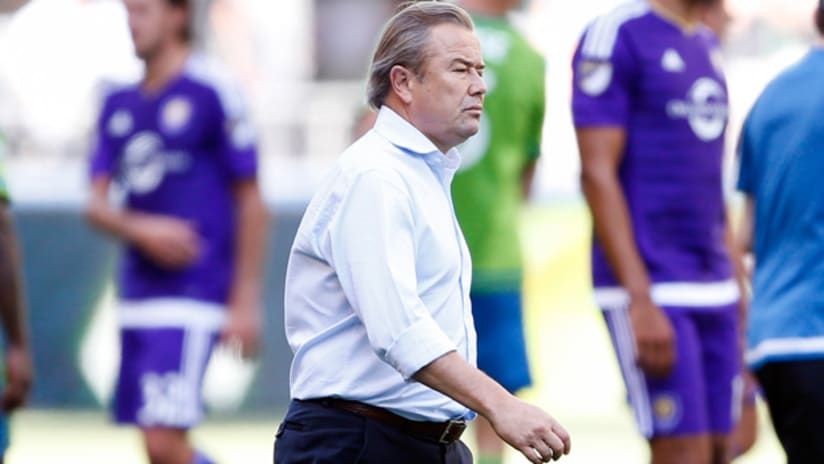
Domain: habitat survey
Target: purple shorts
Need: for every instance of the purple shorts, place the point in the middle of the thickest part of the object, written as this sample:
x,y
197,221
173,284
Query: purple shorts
x,y
165,348
702,394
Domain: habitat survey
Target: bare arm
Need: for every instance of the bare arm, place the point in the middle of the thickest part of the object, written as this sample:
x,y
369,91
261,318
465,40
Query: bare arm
x,y
601,153
522,425
14,316
244,298
169,242
528,177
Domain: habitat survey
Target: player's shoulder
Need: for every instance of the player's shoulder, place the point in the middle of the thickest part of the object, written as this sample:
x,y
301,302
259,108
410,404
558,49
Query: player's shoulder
x,y
212,76
115,92
707,36
601,35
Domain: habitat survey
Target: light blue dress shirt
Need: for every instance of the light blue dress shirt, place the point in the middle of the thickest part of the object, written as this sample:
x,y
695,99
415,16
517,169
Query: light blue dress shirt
x,y
377,285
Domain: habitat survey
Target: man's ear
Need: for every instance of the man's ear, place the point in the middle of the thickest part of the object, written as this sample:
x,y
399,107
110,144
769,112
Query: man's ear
x,y
402,81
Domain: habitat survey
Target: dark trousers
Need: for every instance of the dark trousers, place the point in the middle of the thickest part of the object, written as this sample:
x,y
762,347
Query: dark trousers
x,y
312,433
795,394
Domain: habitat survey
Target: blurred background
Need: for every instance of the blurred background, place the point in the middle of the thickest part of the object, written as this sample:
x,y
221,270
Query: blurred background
x,y
301,64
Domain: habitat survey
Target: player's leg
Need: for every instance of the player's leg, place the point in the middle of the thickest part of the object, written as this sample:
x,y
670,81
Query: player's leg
x,y
746,429
502,355
165,445
719,334
159,388
670,412
796,402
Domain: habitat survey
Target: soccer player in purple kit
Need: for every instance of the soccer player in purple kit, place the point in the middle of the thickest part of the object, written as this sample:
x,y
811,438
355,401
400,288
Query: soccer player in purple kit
x,y
193,224
650,110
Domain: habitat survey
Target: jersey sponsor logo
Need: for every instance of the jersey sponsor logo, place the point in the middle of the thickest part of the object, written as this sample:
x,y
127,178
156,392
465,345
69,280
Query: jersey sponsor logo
x,y
143,166
120,123
594,77
474,149
671,61
705,108
146,162
175,115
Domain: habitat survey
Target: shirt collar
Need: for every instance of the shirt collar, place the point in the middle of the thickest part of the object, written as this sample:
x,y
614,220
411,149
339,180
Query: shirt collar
x,y
402,133
407,137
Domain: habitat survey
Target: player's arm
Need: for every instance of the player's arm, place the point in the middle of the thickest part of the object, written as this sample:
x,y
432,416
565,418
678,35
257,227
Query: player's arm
x,y
14,316
536,128
528,177
525,427
601,150
170,242
245,306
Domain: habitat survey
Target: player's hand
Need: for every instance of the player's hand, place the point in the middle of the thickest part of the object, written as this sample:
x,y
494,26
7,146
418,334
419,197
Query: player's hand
x,y
530,430
654,337
242,331
170,242
18,378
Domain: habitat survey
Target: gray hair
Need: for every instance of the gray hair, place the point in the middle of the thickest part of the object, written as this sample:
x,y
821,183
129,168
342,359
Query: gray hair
x,y
404,42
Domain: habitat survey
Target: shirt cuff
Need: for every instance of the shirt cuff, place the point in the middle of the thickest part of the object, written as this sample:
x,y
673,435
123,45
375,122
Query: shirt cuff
x,y
418,346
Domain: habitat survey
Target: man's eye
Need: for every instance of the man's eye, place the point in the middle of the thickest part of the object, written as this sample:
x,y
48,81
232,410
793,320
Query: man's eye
x,y
460,70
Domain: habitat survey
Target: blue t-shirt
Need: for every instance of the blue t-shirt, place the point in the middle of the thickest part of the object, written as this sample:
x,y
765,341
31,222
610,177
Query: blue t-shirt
x,y
663,84
782,161
178,153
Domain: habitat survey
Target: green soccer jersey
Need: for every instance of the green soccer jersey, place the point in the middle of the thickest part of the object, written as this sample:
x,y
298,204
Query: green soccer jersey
x,y
487,190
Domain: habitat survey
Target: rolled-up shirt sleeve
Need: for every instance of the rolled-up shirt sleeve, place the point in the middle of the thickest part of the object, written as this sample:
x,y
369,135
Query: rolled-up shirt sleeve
x,y
372,243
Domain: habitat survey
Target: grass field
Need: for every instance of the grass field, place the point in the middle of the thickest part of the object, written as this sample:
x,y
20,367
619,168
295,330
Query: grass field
x,y
575,378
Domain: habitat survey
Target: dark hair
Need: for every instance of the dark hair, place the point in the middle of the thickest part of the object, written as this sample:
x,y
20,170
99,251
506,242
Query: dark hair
x,y
404,42
186,5
819,17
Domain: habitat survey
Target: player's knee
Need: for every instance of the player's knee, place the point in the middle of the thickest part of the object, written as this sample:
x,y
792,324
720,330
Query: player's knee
x,y
165,447
682,450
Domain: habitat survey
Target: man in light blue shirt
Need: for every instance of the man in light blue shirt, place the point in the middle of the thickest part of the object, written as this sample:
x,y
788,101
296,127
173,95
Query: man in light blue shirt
x,y
377,288
782,158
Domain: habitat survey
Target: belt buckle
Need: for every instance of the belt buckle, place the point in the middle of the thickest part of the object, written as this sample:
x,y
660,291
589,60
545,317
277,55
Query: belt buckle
x,y
447,431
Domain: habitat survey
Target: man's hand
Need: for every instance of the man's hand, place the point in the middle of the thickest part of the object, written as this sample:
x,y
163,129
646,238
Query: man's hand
x,y
18,378
530,430
654,337
242,331
170,242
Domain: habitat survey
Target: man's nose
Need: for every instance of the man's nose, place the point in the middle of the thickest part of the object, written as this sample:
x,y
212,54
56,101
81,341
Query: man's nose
x,y
478,86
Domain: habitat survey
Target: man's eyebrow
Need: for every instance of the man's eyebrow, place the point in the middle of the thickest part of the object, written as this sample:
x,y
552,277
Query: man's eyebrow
x,y
469,63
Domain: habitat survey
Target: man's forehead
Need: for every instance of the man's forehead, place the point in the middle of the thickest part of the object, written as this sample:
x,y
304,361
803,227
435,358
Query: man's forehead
x,y
453,42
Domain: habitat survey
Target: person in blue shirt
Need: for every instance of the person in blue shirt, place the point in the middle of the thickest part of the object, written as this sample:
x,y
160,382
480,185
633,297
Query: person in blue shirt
x,y
782,158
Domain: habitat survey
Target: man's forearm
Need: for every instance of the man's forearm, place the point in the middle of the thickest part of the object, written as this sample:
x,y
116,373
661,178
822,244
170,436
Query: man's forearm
x,y
454,377
12,302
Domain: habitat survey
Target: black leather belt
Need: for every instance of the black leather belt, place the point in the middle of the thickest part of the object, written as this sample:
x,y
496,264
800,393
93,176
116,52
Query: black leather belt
x,y
439,432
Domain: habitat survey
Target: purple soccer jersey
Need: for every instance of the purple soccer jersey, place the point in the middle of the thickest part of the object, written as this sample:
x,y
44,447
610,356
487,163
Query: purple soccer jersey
x,y
178,152
664,86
